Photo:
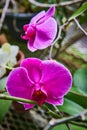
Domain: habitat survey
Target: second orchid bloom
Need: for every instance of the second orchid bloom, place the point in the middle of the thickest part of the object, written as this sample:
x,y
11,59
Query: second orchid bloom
x,y
41,31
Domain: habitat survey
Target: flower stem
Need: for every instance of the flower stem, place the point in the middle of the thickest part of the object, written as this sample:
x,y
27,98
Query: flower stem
x,y
68,126
54,114
4,13
6,97
50,52
60,4
79,26
7,67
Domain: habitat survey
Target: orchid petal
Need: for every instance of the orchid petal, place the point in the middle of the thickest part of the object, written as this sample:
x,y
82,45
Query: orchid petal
x,y
14,50
45,34
48,14
56,78
30,31
58,101
25,37
33,67
28,106
30,46
19,84
25,27
35,19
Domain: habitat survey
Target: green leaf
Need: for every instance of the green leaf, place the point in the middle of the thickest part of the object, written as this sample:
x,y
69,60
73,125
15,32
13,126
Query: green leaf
x,y
80,80
63,127
3,83
77,90
79,11
4,105
78,98
67,107
83,18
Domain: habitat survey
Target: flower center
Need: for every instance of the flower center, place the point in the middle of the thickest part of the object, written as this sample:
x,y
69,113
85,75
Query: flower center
x,y
30,31
39,96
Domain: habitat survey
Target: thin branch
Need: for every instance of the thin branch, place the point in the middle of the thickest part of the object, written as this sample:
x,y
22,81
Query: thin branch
x,y
15,25
55,122
15,6
59,34
7,67
81,124
68,126
54,114
68,62
76,56
60,30
56,5
57,38
79,26
50,52
71,40
57,111
5,97
4,13
61,27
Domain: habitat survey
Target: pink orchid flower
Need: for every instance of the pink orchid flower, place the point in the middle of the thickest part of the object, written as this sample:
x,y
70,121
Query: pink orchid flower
x,y
40,81
41,31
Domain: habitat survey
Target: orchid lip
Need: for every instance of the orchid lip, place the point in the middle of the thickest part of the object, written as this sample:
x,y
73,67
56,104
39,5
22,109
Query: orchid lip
x,y
39,96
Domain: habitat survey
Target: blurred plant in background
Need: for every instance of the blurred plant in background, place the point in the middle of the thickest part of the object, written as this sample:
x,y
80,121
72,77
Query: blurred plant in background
x,y
8,56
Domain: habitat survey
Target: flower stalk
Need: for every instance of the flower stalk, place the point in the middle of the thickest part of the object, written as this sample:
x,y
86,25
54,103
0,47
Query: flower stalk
x,y
54,122
12,98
